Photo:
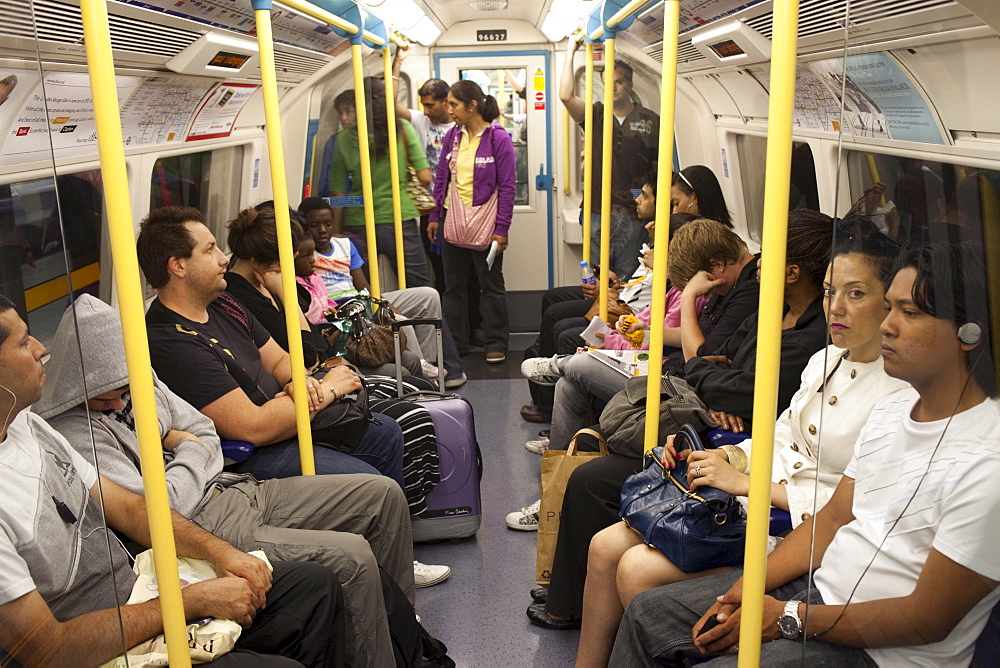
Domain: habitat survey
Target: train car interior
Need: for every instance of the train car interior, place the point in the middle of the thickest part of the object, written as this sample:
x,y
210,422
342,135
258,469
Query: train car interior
x,y
215,216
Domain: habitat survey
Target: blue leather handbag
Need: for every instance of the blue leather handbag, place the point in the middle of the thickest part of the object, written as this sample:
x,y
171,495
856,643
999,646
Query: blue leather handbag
x,y
694,530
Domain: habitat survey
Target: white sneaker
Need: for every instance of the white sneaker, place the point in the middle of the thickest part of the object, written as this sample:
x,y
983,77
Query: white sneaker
x,y
539,446
429,370
452,381
542,370
525,519
426,575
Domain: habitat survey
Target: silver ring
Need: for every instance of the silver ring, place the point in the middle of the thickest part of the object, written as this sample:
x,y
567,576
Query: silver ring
x,y
736,649
697,470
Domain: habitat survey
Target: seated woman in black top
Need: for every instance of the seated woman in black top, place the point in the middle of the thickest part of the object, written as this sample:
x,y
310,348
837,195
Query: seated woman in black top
x,y
254,279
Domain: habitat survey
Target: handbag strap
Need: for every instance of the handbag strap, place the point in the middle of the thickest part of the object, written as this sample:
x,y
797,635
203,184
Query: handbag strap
x,y
571,449
235,369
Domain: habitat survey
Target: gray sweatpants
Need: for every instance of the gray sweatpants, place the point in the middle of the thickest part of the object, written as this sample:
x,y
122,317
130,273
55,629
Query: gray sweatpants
x,y
351,523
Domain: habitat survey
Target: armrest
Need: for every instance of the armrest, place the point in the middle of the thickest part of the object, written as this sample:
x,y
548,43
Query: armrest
x,y
236,452
720,437
781,522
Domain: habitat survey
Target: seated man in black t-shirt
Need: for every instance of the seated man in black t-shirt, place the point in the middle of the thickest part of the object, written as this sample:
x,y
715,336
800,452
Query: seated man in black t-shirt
x,y
192,325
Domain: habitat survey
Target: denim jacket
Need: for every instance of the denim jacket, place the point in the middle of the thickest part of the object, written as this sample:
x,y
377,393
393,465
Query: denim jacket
x,y
494,171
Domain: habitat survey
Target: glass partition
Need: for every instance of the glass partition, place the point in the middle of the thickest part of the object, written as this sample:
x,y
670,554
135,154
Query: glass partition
x,y
59,556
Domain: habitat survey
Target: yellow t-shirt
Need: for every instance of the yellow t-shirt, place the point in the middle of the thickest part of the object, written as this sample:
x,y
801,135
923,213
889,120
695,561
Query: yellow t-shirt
x,y
466,164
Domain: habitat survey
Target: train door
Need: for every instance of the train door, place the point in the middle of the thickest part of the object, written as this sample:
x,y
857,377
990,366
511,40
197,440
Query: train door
x,y
521,82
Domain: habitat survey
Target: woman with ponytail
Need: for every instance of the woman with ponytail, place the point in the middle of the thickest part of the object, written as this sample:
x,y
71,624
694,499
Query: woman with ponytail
x,y
474,188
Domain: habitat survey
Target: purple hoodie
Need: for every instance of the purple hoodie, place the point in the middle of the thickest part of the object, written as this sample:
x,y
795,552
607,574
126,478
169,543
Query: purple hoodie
x,y
494,171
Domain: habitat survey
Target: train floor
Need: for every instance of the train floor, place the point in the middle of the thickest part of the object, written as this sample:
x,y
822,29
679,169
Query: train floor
x,y
479,612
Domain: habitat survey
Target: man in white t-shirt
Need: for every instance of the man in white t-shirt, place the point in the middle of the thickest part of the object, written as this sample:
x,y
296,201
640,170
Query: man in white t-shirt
x,y
432,124
909,545
63,577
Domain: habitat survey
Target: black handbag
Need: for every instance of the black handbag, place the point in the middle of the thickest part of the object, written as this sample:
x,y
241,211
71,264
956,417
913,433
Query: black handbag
x,y
694,530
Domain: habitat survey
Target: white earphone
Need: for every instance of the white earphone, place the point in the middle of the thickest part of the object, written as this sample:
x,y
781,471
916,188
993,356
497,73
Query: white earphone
x,y
970,333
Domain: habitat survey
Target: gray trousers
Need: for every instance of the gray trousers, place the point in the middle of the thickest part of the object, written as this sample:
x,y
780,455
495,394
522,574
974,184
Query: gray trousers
x,y
656,629
351,523
586,386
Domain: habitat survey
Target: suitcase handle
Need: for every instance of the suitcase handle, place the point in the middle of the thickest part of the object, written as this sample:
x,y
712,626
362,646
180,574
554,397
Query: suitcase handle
x,y
436,322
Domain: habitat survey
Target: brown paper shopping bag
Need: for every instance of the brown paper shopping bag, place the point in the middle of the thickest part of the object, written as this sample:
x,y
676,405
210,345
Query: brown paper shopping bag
x,y
557,466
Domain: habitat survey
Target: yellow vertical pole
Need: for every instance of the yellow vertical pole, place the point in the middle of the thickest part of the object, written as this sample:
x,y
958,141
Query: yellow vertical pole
x,y
990,213
668,100
778,169
361,104
286,254
397,210
588,151
567,177
121,231
873,170
606,154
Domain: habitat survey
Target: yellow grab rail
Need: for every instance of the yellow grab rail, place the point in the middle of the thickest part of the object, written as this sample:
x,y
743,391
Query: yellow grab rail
x,y
121,232
626,11
286,254
361,105
397,207
772,289
606,154
319,14
567,181
668,100
588,150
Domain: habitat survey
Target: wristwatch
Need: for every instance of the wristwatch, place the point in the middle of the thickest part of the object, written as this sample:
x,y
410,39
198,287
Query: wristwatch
x,y
789,623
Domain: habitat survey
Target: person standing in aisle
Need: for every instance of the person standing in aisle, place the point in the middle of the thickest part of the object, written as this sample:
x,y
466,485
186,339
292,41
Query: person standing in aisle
x,y
431,124
636,133
474,188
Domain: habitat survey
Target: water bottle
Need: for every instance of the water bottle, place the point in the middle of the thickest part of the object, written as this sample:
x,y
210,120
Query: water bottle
x,y
587,274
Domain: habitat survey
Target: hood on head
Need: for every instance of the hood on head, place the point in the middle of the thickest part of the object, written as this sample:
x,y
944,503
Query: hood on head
x,y
103,354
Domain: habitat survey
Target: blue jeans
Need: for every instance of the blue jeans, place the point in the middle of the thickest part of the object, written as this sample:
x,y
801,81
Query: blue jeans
x,y
627,236
656,629
379,452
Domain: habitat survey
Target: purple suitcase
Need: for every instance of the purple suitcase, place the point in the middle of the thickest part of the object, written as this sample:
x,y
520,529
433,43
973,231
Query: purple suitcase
x,y
454,508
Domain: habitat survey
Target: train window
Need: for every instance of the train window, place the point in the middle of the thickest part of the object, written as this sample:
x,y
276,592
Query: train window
x,y
201,180
803,192
909,195
509,87
36,252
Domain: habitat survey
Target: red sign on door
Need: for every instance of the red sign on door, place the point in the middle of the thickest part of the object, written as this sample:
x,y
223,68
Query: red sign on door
x,y
540,100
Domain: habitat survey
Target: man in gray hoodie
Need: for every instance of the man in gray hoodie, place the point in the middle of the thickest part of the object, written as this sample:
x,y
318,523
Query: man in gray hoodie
x,y
351,523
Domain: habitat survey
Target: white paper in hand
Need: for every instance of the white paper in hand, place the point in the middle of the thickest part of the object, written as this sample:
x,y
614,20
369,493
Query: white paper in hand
x,y
492,255
596,326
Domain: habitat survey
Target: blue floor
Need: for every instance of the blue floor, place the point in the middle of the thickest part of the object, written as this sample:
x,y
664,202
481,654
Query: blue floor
x,y
479,612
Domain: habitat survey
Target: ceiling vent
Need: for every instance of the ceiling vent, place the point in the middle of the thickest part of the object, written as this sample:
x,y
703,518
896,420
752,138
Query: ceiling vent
x,y
820,16
489,5
686,53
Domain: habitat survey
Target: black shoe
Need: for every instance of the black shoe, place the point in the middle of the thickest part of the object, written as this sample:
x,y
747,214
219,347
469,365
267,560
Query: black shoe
x,y
533,413
539,594
544,433
536,613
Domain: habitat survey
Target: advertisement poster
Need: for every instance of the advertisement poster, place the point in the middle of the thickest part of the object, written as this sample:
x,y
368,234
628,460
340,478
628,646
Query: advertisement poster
x,y
880,99
14,85
696,13
815,107
70,123
218,112
159,110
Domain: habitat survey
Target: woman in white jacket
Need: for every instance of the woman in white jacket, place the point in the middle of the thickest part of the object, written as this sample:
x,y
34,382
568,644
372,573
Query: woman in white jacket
x,y
841,384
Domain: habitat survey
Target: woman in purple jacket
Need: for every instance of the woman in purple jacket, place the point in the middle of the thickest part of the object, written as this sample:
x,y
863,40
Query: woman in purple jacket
x,y
474,190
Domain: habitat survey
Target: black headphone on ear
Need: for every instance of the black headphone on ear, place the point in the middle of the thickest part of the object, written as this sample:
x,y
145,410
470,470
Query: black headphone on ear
x,y
970,333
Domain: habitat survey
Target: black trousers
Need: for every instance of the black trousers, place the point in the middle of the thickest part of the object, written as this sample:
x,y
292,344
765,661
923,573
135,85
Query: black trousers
x,y
302,624
459,265
590,505
559,304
